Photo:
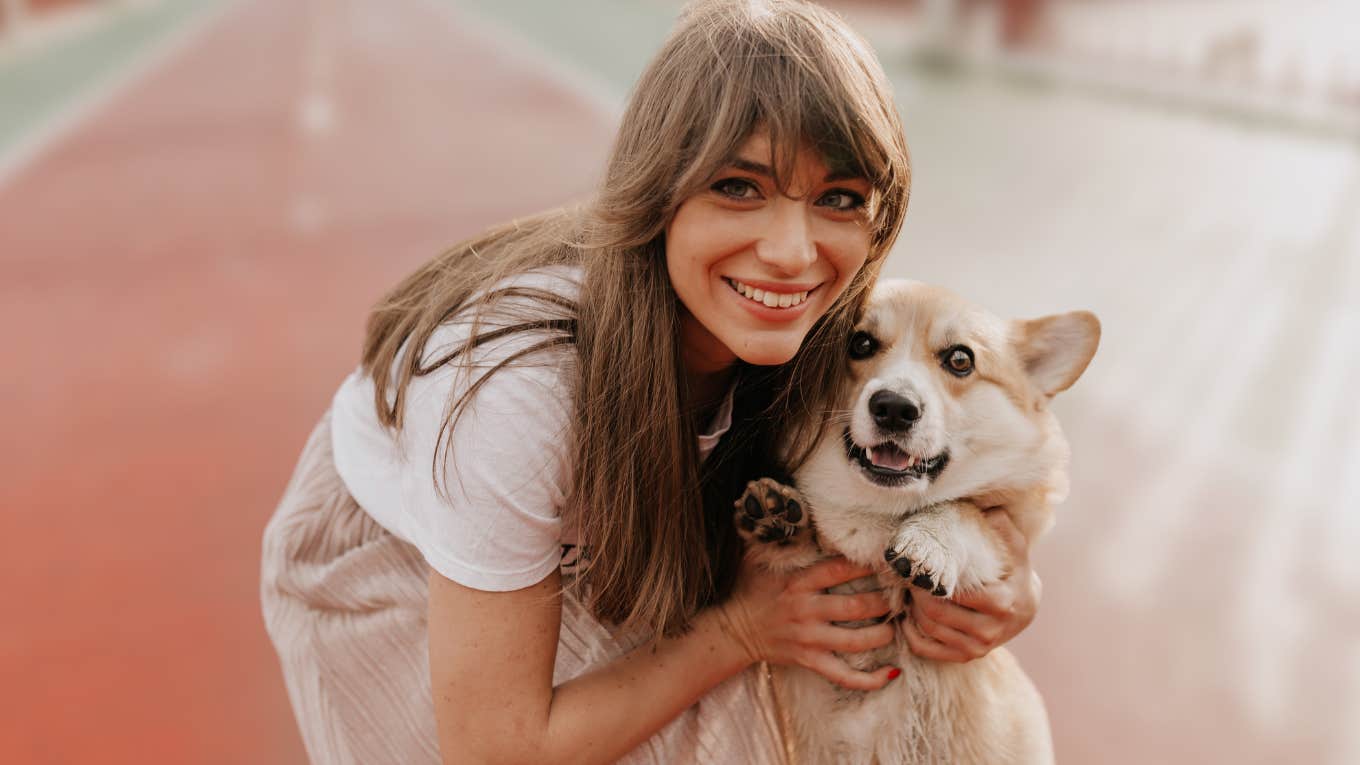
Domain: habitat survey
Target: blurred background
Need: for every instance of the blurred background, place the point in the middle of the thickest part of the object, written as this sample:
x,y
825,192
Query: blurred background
x,y
199,200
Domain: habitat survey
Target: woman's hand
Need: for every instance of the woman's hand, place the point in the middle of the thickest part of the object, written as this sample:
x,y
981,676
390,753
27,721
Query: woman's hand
x,y
971,625
786,619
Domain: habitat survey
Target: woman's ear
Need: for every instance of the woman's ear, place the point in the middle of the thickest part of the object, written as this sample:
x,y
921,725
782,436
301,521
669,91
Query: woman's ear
x,y
1055,350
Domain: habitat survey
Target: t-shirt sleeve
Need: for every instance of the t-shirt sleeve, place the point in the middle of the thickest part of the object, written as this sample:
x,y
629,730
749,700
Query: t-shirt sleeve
x,y
483,500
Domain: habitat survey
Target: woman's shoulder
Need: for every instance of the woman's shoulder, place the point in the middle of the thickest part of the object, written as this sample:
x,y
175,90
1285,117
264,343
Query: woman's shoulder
x,y
481,499
559,283
562,279
509,316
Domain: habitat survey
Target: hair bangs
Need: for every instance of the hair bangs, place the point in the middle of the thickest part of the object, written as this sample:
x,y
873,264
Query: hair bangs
x,y
807,79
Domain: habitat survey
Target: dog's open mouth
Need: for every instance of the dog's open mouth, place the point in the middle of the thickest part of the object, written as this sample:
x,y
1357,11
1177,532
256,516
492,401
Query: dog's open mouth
x,y
888,465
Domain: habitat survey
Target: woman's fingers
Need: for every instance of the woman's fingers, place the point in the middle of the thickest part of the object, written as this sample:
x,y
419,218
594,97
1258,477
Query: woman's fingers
x,y
956,639
829,637
837,671
994,614
996,598
929,648
827,573
849,608
952,613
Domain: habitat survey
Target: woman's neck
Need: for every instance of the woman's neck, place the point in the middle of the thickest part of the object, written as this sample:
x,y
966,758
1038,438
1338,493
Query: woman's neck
x,y
708,366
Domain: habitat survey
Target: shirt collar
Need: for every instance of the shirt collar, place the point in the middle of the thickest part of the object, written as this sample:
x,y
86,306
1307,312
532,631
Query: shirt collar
x,y
720,424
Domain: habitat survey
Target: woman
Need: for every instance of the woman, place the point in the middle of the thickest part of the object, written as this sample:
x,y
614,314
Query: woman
x,y
511,537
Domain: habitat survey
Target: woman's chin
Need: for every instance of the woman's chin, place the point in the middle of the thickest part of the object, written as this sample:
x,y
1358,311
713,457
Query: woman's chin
x,y
768,354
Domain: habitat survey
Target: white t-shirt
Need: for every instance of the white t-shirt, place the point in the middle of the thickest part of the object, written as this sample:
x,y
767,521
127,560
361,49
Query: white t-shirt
x,y
497,524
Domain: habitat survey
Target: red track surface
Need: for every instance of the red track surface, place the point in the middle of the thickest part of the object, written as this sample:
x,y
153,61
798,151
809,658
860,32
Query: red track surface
x,y
186,281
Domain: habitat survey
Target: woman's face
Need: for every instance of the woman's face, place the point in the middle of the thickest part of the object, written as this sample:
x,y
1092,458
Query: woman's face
x,y
754,268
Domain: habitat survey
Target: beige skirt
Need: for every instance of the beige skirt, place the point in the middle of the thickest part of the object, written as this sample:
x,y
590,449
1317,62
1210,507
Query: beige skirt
x,y
344,603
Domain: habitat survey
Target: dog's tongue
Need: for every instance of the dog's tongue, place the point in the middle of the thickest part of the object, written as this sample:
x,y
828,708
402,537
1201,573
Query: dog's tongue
x,y
890,457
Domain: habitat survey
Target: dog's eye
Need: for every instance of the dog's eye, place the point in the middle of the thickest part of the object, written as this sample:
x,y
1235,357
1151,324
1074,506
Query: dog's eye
x,y
957,360
862,345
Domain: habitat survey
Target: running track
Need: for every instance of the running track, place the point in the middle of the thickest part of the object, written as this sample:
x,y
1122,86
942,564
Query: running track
x,y
186,274
186,277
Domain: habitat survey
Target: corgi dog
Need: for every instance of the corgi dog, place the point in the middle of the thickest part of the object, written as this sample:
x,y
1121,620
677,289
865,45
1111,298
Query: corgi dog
x,y
945,411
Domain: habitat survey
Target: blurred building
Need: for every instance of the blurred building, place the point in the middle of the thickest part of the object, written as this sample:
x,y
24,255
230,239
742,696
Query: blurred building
x,y
1297,61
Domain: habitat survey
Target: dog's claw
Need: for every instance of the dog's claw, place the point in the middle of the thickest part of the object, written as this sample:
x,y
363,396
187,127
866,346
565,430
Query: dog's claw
x,y
902,566
919,559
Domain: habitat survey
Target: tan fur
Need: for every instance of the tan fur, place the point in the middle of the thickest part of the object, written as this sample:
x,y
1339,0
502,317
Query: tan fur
x,y
1006,449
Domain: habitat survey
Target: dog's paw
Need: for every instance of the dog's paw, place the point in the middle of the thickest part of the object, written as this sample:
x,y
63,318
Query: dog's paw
x,y
918,556
769,512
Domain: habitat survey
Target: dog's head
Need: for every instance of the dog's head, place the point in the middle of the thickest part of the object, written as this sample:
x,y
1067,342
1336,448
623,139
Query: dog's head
x,y
946,400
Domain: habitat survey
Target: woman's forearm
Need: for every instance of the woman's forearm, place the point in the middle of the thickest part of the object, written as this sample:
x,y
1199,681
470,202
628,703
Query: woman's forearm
x,y
491,662
603,714
492,656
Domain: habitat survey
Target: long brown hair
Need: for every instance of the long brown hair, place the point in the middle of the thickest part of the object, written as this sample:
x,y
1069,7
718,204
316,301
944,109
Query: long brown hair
x,y
658,527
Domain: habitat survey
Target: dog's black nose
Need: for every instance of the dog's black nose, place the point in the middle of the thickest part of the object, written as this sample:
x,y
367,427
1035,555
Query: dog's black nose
x,y
893,412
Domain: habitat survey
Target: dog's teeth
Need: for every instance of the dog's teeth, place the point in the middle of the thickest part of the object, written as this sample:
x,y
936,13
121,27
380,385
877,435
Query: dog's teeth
x,y
911,462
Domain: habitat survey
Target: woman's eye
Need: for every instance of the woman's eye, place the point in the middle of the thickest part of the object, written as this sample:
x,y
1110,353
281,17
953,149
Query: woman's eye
x,y
957,360
842,200
862,345
736,188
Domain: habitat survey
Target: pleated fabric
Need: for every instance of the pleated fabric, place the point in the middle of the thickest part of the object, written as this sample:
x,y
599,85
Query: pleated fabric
x,y
345,605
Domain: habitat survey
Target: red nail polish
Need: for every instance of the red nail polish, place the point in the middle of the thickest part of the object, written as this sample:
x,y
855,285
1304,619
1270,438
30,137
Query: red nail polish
x,y
894,673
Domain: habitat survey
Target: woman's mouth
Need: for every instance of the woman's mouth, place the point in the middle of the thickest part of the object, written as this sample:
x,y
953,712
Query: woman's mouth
x,y
769,298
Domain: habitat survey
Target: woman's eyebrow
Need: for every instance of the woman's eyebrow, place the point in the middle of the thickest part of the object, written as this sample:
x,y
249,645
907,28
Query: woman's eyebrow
x,y
751,167
761,169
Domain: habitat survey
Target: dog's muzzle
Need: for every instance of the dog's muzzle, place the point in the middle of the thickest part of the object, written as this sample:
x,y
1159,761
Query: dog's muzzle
x,y
888,465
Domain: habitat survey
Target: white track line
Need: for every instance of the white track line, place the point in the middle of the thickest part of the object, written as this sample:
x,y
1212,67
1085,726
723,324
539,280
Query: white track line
x,y
39,139
315,115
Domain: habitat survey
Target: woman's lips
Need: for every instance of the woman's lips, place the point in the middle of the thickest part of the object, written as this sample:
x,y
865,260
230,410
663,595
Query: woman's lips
x,y
778,297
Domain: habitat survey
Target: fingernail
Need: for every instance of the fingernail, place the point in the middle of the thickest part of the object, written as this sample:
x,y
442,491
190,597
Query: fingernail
x,y
894,673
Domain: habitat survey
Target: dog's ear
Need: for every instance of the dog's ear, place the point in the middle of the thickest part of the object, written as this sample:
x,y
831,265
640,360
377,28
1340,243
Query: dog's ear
x,y
1056,349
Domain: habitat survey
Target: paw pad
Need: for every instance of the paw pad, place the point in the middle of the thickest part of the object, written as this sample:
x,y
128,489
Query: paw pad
x,y
770,512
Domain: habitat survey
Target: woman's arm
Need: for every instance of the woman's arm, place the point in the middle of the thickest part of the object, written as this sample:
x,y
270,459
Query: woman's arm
x,y
971,625
492,657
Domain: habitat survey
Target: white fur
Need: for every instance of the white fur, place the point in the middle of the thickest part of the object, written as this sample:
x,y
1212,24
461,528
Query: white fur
x,y
1004,446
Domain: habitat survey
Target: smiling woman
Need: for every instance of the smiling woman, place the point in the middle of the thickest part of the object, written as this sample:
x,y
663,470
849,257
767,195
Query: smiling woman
x,y
760,263
511,537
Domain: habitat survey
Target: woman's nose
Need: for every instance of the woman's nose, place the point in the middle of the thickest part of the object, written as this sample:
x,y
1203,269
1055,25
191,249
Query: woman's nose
x,y
787,243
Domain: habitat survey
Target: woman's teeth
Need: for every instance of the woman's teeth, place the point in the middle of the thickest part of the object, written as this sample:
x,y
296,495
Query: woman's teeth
x,y
770,299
